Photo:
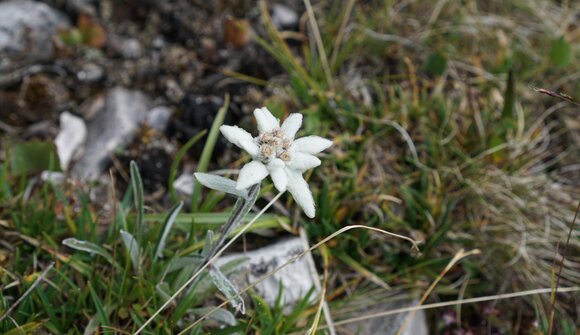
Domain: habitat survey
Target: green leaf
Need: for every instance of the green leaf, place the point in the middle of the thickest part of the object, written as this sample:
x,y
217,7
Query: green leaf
x,y
99,306
560,52
32,157
89,247
137,185
435,64
132,247
209,219
169,220
228,289
178,157
208,149
509,97
71,37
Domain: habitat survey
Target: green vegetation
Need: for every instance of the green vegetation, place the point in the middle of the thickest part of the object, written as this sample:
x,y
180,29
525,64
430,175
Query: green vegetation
x,y
439,135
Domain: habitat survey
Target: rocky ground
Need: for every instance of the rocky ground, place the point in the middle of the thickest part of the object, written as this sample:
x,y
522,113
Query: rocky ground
x,y
143,77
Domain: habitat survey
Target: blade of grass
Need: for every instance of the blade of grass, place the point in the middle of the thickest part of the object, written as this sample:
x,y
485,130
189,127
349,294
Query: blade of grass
x,y
325,261
319,44
28,328
208,149
361,270
341,31
280,49
206,219
98,306
137,185
178,157
169,220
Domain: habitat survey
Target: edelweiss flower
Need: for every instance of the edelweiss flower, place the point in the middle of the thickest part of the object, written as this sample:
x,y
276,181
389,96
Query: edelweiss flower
x,y
275,152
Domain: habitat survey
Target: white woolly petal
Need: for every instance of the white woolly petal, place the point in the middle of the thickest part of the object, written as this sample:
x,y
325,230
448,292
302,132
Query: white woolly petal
x,y
278,174
291,125
241,138
298,187
251,174
311,144
302,162
266,121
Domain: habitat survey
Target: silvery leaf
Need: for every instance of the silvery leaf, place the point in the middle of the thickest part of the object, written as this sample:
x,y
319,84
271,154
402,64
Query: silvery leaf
x,y
228,289
221,184
132,247
88,247
221,315
207,246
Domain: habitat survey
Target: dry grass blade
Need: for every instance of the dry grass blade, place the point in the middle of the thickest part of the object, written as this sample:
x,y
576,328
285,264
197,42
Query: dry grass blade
x,y
458,256
456,302
28,291
314,327
558,95
319,44
553,304
341,31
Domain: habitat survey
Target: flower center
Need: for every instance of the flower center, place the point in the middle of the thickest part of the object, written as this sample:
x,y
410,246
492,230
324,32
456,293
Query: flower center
x,y
274,145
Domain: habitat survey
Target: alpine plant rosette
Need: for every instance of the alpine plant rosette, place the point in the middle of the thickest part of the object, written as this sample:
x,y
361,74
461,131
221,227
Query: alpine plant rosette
x,y
275,152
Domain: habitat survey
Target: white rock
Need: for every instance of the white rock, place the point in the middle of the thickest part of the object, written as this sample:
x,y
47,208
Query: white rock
x,y
284,17
296,279
184,184
71,136
117,117
28,27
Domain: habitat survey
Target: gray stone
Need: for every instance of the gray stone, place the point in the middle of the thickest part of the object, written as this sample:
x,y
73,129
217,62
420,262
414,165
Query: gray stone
x,y
130,48
158,118
115,117
90,73
27,27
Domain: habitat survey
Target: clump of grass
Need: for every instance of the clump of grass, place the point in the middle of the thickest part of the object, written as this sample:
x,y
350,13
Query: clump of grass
x,y
440,137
